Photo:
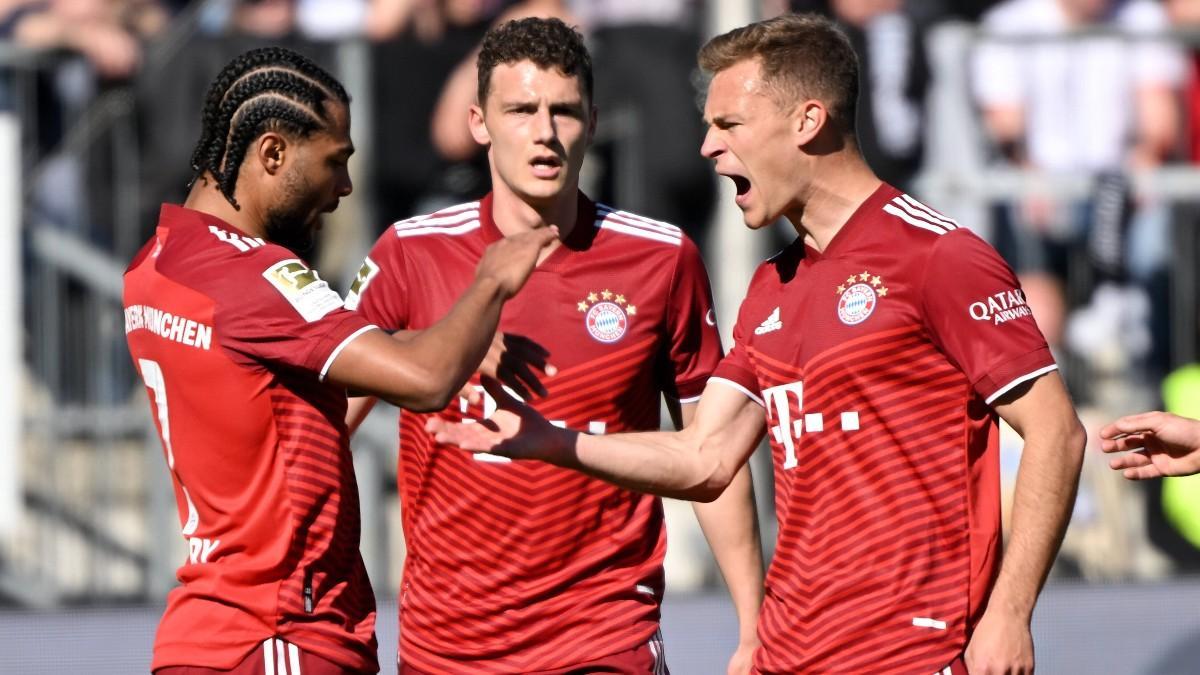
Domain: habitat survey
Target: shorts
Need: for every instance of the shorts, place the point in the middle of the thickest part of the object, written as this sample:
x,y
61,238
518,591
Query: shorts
x,y
274,657
645,659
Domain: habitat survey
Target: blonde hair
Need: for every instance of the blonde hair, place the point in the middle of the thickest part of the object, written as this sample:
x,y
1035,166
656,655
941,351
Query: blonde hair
x,y
802,56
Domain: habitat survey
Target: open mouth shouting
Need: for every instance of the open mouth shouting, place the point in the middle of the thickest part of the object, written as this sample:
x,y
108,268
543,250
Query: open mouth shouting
x,y
742,185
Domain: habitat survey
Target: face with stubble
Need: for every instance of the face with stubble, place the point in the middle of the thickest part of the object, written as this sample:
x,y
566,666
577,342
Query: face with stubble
x,y
314,178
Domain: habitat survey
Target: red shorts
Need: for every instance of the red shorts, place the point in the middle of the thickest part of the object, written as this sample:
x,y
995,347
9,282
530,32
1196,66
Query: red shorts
x,y
646,659
274,657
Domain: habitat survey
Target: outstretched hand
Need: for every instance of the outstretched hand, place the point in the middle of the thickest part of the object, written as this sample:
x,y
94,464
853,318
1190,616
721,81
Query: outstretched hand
x,y
513,360
515,430
1164,445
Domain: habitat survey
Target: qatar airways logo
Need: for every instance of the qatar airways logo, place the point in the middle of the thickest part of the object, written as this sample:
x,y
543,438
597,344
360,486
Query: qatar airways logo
x,y
1001,307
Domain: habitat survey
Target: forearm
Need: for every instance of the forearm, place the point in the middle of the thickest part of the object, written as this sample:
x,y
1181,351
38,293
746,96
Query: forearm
x,y
453,348
1045,494
730,524
668,464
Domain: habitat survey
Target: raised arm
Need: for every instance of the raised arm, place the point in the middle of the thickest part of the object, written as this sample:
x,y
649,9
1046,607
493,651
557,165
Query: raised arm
x,y
423,371
1041,412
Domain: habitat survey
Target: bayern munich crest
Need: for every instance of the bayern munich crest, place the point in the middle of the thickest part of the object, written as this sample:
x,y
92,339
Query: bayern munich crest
x,y
858,297
606,315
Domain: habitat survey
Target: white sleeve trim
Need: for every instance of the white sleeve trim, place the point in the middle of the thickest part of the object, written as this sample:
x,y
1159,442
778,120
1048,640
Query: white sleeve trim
x,y
730,383
1023,378
338,350
689,399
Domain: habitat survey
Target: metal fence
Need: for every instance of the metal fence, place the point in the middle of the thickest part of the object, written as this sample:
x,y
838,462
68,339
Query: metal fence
x,y
86,512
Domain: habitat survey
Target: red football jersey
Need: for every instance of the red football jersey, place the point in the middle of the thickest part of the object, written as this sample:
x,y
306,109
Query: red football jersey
x,y
523,566
233,336
876,361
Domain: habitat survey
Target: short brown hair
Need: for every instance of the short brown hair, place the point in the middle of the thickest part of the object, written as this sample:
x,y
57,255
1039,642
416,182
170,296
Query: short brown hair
x,y
548,43
801,56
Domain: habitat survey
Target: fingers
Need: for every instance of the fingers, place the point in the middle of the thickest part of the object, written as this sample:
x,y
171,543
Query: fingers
x,y
470,393
1143,473
1132,424
1129,461
499,393
1124,443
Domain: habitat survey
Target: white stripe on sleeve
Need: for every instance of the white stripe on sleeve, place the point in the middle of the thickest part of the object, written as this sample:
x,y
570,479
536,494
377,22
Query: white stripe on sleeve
x,y
338,350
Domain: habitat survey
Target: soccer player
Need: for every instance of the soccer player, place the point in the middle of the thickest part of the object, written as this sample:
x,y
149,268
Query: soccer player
x,y
877,351
1165,445
246,354
522,567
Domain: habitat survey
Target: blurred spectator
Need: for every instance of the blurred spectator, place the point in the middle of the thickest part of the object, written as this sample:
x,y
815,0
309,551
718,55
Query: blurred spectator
x,y
106,32
1093,103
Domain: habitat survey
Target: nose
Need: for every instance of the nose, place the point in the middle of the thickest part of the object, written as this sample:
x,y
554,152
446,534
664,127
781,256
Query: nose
x,y
543,125
712,147
345,185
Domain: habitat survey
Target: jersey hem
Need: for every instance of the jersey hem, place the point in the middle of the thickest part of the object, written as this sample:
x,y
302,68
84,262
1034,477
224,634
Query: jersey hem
x,y
1019,380
730,383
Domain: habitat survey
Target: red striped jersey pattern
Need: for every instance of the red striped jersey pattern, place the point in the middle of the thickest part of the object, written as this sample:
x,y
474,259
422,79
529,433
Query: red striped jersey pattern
x,y
876,362
524,566
232,336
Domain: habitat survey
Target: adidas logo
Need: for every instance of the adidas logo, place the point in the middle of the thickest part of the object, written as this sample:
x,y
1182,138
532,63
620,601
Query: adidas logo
x,y
772,323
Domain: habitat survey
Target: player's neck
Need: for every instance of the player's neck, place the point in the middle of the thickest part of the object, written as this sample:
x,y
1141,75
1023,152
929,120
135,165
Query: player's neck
x,y
206,198
835,193
513,215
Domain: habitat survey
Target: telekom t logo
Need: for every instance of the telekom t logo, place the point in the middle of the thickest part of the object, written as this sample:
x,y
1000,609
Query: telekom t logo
x,y
787,431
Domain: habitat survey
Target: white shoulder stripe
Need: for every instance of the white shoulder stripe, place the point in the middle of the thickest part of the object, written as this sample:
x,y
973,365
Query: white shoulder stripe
x,y
448,211
921,214
437,220
620,222
634,219
418,230
937,217
923,224
609,224
621,218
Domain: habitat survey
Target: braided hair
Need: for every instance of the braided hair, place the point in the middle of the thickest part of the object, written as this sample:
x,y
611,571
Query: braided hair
x,y
267,89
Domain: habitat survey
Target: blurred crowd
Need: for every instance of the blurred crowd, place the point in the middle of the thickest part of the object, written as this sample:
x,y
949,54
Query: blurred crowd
x,y
1084,88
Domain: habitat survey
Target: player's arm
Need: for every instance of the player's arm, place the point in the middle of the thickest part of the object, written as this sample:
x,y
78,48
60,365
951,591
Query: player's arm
x,y
425,370
696,463
730,525
1042,413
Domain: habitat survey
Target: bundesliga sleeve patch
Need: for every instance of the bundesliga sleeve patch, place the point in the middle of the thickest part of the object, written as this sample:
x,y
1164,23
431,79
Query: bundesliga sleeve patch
x,y
303,288
361,280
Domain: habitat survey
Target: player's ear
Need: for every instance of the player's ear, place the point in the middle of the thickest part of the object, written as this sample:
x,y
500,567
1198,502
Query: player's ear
x,y
478,128
271,150
808,120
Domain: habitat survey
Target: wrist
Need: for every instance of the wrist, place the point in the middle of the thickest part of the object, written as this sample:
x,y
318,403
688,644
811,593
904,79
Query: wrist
x,y
490,287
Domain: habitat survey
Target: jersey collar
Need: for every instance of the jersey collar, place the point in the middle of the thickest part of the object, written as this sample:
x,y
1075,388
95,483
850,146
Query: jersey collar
x,y
580,239
856,227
